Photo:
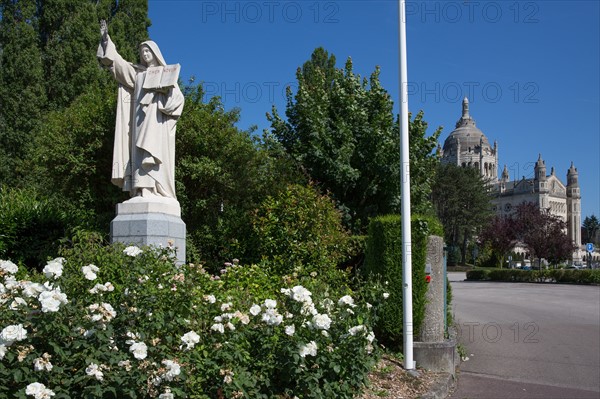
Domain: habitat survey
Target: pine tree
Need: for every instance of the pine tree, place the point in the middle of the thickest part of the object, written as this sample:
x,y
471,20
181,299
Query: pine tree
x,y
48,59
462,202
69,30
22,91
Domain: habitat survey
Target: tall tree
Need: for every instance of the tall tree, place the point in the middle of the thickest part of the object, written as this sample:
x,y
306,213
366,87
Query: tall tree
x,y
48,59
22,89
340,130
591,228
423,163
69,31
462,202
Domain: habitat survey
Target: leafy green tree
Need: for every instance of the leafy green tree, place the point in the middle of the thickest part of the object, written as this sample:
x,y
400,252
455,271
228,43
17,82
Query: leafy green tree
x,y
222,175
71,156
423,163
462,202
340,130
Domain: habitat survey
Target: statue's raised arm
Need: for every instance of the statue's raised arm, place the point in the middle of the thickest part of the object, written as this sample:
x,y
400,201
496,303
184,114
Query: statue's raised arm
x,y
147,114
103,34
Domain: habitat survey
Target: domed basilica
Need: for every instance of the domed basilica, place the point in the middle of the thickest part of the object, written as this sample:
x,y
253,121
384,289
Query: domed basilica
x,y
467,146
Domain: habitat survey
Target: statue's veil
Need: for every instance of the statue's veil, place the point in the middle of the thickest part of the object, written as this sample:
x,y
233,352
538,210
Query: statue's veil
x,y
154,47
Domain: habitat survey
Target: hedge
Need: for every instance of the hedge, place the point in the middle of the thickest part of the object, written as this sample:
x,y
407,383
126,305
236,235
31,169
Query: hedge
x,y
383,260
537,276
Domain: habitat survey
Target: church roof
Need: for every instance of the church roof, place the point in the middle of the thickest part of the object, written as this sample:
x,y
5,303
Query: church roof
x,y
467,134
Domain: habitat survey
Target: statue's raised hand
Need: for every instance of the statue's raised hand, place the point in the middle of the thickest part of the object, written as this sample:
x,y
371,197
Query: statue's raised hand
x,y
104,30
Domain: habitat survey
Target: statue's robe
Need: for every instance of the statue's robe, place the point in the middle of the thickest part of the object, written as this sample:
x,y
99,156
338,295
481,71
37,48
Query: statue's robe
x,y
144,147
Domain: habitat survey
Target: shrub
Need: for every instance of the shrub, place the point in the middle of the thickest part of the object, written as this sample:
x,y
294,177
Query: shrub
x,y
300,231
540,276
576,276
31,226
383,261
479,274
134,325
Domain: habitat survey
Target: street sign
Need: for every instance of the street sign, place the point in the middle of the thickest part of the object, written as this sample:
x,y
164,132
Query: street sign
x,y
589,247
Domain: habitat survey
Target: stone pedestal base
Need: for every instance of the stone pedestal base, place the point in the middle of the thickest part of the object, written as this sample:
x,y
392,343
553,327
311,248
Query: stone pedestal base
x,y
150,221
437,356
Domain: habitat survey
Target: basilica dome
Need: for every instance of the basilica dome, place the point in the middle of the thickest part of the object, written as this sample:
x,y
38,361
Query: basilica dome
x,y
466,134
468,146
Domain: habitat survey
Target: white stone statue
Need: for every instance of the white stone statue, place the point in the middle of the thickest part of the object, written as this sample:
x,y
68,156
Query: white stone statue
x,y
148,108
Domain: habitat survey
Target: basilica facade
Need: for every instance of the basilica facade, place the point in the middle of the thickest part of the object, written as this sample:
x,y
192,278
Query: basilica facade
x,y
467,146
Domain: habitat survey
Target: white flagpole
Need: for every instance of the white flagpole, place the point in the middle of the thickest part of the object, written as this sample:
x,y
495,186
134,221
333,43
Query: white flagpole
x,y
409,364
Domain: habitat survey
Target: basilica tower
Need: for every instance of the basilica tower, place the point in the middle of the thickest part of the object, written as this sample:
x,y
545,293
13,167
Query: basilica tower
x,y
574,209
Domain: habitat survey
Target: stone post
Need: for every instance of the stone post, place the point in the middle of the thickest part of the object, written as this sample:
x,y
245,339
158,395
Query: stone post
x,y
433,351
432,329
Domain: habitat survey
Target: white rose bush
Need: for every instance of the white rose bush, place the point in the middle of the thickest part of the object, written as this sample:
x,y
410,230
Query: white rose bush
x,y
116,322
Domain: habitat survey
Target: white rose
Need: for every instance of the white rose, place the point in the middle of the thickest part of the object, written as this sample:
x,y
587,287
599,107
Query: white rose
x,y
93,370
218,327
90,271
309,349
290,330
32,290
139,350
17,302
190,339
255,310
54,268
38,391
301,294
321,322
13,333
272,318
173,370
8,266
51,300
356,329
346,300
270,303
132,251
43,363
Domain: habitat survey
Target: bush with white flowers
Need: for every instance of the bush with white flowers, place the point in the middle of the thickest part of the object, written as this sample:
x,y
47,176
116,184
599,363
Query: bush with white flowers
x,y
116,322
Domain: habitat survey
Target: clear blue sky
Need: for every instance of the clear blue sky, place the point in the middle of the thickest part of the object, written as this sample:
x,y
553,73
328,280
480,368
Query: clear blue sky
x,y
531,69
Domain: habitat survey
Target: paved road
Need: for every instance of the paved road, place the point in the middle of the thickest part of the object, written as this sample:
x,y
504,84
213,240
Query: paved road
x,y
527,340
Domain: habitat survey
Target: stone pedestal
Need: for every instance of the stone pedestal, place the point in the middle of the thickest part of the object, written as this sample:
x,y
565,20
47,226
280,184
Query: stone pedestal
x,y
150,221
432,351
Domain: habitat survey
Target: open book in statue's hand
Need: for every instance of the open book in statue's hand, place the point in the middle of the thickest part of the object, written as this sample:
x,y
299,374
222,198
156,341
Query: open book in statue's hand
x,y
160,78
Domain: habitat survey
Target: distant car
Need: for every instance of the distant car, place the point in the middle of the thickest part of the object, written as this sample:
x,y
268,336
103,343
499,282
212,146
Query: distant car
x,y
573,267
526,268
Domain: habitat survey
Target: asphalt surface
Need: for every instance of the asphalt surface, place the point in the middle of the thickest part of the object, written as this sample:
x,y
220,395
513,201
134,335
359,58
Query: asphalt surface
x,y
527,340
